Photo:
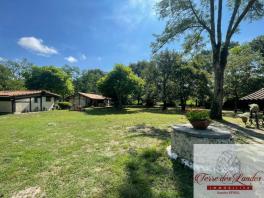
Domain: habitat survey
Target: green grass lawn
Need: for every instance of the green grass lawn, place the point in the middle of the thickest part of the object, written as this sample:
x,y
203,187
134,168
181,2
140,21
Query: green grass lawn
x,y
98,153
92,154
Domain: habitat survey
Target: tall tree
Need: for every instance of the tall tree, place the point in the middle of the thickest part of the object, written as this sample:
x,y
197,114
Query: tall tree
x,y
165,63
72,71
244,73
15,72
185,16
8,80
19,68
150,91
257,44
50,78
87,81
202,77
119,83
139,69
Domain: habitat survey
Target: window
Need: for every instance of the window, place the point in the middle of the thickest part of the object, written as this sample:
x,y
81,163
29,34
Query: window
x,y
35,100
48,99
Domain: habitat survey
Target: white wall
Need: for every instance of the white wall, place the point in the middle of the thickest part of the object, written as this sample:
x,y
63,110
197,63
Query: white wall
x,y
76,102
35,106
47,105
5,106
22,105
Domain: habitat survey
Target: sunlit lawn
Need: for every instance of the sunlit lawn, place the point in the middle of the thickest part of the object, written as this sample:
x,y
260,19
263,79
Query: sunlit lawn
x,y
99,153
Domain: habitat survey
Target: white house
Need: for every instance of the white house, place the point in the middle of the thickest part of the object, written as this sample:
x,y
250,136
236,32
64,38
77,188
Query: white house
x,y
26,101
81,100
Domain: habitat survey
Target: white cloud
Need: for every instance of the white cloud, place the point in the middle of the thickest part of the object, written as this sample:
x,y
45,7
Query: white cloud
x,y
71,59
36,45
83,57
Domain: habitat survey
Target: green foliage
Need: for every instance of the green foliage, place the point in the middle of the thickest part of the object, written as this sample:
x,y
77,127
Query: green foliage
x,y
119,83
5,78
196,115
64,105
72,71
150,95
12,74
50,78
139,67
166,63
86,82
18,68
257,45
243,74
196,17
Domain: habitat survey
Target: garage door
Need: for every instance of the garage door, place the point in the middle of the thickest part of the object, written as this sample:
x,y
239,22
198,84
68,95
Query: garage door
x,y
22,106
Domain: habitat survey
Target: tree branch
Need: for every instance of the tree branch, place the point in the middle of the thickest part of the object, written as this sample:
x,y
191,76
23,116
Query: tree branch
x,y
198,18
212,21
167,36
232,19
243,14
219,23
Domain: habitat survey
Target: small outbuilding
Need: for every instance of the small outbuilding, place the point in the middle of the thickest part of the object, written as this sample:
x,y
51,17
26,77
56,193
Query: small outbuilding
x,y
256,97
82,100
27,101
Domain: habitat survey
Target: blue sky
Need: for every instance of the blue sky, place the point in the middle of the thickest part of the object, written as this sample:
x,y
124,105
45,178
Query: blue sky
x,y
85,33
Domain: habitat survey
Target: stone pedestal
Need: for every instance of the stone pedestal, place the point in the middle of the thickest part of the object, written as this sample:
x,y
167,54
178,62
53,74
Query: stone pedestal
x,y
184,137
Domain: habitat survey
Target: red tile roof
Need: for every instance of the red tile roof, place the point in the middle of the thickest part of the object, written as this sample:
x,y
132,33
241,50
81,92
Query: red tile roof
x,y
93,96
24,93
258,95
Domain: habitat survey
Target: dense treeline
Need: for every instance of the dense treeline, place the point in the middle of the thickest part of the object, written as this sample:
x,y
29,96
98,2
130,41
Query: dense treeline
x,y
170,77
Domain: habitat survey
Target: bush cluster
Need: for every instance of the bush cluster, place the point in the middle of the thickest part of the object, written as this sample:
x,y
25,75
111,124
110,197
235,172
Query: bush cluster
x,y
65,105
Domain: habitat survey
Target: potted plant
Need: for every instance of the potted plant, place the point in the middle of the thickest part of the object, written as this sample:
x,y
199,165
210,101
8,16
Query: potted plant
x,y
199,118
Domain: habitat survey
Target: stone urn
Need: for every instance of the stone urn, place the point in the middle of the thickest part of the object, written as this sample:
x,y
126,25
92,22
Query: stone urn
x,y
200,124
199,119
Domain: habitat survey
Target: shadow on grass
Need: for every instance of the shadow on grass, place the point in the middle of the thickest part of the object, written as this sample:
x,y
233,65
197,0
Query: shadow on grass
x,y
149,173
3,114
158,110
249,132
130,110
149,131
109,111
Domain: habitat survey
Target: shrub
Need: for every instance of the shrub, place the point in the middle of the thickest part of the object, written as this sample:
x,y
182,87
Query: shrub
x,y
65,105
195,115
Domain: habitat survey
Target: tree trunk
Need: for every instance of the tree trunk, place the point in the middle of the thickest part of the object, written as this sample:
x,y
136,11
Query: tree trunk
x,y
164,107
236,103
217,103
183,105
220,61
119,102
